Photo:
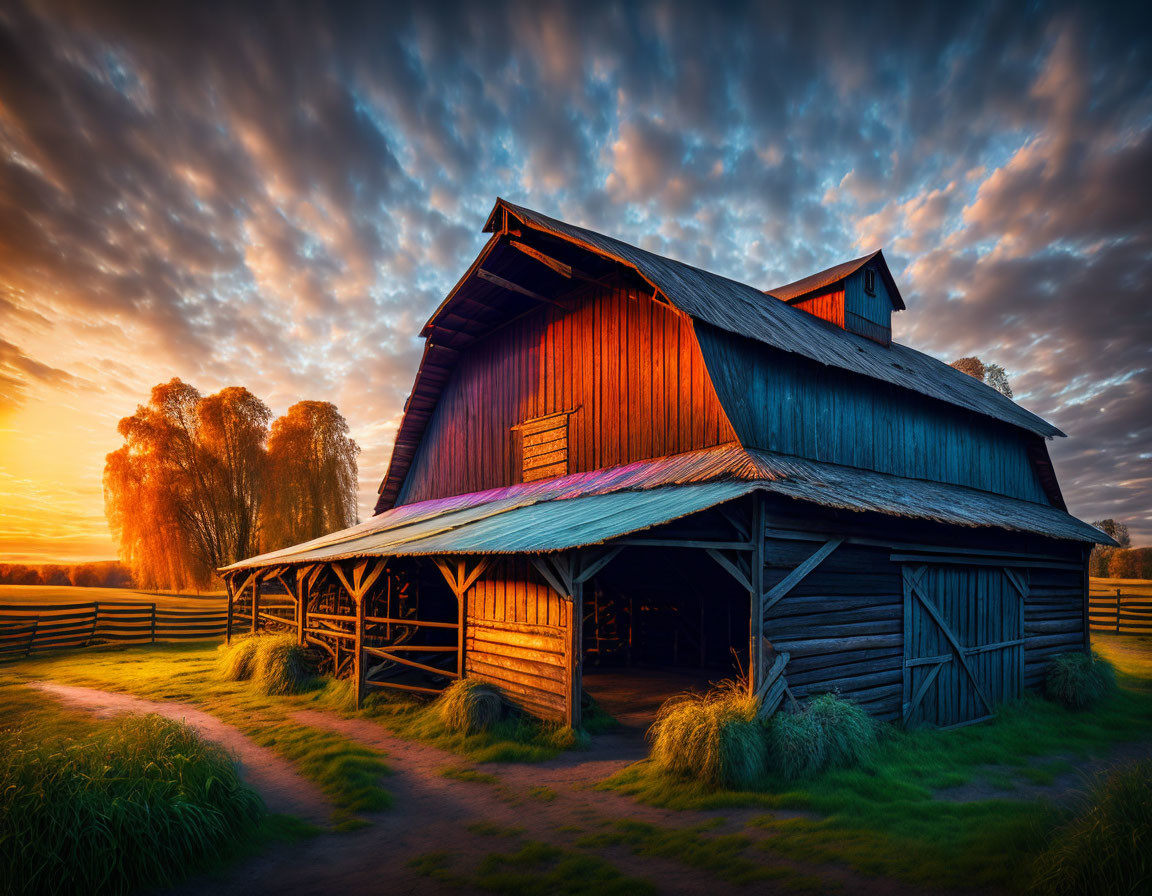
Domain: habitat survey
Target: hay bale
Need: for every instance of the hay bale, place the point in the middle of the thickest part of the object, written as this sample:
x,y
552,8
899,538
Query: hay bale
x,y
281,665
237,661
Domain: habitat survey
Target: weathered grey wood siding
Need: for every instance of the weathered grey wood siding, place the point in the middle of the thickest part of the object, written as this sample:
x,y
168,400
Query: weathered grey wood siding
x,y
628,368
1053,616
517,632
844,624
868,315
781,402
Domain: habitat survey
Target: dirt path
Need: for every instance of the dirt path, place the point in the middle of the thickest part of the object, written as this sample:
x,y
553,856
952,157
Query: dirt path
x,y
283,789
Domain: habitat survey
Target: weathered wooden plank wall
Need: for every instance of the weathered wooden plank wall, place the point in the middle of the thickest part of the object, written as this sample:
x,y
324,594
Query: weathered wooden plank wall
x,y
843,623
868,315
1053,618
785,403
627,366
517,635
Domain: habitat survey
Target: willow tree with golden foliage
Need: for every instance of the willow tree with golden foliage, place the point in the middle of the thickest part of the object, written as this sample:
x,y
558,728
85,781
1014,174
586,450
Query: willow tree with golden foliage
x,y
182,494
204,481
310,488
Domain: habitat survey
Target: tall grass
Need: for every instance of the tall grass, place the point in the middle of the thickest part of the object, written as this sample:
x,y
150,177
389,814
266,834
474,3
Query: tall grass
x,y
1106,848
237,661
281,665
1079,680
470,706
276,664
713,737
129,804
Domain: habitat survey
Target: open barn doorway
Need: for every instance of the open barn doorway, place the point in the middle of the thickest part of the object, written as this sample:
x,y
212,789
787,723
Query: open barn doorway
x,y
660,621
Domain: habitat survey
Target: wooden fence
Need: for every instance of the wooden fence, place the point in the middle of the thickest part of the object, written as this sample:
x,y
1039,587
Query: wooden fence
x,y
1112,610
27,628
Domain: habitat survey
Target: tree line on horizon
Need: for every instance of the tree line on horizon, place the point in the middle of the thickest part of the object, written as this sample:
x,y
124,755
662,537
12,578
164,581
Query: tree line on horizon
x,y
92,574
202,481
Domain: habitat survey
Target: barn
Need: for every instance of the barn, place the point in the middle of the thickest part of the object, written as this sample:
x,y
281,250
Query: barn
x,y
617,472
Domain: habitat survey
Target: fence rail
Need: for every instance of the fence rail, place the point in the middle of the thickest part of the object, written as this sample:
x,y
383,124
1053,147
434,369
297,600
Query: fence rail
x,y
28,628
1111,610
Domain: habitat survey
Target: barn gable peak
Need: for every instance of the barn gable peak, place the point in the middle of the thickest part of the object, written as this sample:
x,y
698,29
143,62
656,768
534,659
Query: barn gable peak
x,y
858,296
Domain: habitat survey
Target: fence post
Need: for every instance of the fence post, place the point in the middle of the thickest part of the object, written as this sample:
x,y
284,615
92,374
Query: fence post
x,y
153,622
32,637
95,619
1117,611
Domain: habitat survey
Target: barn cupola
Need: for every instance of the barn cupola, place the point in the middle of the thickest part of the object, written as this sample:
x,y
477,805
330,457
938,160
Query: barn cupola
x,y
858,296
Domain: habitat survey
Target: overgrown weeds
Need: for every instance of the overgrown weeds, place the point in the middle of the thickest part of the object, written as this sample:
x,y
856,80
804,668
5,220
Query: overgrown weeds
x,y
1106,848
713,737
127,804
1079,680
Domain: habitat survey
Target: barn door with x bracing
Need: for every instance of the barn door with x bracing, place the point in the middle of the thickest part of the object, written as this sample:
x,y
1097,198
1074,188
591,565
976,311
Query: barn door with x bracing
x,y
963,641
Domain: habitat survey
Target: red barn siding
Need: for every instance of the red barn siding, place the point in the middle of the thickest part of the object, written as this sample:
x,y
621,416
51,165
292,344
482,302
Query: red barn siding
x,y
517,636
628,368
829,306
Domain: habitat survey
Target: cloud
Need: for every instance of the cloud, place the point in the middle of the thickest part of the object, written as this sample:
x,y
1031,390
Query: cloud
x,y
280,198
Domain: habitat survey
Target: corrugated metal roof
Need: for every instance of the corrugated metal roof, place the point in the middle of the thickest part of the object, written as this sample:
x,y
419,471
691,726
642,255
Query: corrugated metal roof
x,y
512,526
589,508
739,308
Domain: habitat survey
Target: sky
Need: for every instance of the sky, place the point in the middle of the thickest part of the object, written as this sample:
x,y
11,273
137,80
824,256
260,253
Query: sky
x,y
278,196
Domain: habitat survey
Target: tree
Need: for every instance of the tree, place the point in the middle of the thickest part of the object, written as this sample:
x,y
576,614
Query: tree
x,y
991,374
182,494
1100,562
202,481
310,489
972,366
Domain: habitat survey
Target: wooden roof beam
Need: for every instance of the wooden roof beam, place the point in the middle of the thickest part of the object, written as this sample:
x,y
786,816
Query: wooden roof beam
x,y
514,287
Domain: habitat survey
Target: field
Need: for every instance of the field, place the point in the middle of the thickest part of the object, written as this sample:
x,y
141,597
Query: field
x,y
385,794
49,595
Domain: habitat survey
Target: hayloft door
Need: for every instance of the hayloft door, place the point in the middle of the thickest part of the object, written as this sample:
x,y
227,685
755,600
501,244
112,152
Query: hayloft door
x,y
963,641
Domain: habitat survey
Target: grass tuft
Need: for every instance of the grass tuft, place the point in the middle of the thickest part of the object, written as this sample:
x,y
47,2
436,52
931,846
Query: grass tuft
x,y
281,665
1107,847
128,804
470,706
830,732
1078,680
237,661
713,737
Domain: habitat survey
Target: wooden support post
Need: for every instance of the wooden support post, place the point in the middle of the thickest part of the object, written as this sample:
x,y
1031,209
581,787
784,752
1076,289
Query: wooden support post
x,y
231,595
255,603
459,580
153,622
358,665
575,696
756,595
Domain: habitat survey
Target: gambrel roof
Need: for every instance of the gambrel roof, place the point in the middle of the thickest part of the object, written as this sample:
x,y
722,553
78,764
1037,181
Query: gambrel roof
x,y
492,291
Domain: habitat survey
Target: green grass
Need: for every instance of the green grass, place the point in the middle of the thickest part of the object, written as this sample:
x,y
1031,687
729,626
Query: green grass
x,y
116,805
350,774
540,869
887,816
1078,680
468,775
724,855
1106,846
829,732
